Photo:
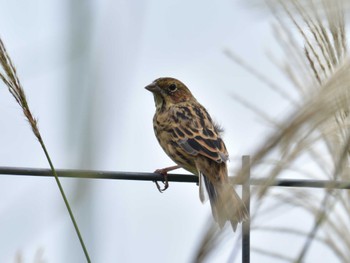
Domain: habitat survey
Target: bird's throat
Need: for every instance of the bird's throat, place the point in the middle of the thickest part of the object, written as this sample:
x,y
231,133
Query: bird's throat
x,y
159,102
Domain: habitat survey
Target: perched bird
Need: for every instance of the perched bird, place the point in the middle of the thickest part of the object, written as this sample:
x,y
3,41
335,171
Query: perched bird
x,y
190,138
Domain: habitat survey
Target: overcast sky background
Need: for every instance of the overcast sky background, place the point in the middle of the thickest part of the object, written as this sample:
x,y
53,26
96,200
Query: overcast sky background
x,y
84,68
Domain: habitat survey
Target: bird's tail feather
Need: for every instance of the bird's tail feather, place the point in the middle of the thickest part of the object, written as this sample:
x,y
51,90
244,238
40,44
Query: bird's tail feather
x,y
225,203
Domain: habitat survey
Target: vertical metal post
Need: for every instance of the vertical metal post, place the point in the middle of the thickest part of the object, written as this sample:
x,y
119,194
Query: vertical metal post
x,y
246,200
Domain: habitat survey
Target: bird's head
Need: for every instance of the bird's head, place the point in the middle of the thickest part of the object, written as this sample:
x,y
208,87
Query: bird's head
x,y
169,91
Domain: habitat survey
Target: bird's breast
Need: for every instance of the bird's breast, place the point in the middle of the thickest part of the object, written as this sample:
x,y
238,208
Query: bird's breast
x,y
164,129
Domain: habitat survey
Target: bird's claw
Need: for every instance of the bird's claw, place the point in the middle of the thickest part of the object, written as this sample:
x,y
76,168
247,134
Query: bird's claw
x,y
165,181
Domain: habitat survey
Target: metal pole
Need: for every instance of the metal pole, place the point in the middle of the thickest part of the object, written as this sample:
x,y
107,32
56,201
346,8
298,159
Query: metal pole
x,y
246,200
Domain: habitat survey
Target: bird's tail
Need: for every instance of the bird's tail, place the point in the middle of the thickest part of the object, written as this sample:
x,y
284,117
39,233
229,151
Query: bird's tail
x,y
225,203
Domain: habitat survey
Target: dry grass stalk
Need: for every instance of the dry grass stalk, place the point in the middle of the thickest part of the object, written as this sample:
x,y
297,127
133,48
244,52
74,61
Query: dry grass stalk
x,y
10,78
14,86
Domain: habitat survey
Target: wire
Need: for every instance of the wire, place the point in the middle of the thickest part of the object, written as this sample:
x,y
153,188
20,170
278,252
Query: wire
x,y
184,178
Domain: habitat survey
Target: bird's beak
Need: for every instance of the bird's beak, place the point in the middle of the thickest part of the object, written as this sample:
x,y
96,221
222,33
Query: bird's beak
x,y
152,88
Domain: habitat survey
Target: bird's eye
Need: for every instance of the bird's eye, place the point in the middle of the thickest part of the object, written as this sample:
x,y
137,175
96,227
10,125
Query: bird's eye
x,y
172,87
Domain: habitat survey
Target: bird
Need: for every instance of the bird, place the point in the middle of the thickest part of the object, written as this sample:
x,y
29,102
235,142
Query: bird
x,y
188,135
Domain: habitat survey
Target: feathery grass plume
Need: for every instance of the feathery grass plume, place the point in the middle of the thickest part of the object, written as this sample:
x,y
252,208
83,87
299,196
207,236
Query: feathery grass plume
x,y
317,129
208,243
326,52
11,80
38,257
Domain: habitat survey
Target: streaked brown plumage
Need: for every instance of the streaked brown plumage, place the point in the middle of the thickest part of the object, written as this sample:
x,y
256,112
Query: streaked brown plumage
x,y
190,138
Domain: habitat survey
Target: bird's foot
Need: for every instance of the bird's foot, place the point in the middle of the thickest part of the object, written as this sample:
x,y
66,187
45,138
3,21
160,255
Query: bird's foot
x,y
165,181
164,173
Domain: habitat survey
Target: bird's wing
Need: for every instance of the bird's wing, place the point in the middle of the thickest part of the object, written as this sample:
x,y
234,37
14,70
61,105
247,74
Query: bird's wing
x,y
197,134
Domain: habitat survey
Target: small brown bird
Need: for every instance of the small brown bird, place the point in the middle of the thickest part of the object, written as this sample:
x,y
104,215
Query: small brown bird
x,y
190,138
